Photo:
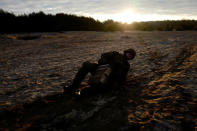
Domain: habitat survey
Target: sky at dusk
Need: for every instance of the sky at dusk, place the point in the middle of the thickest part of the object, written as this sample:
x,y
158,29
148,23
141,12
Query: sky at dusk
x,y
119,10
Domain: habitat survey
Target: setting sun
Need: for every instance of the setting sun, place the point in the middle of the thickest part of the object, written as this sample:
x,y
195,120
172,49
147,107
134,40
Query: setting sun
x,y
126,16
129,16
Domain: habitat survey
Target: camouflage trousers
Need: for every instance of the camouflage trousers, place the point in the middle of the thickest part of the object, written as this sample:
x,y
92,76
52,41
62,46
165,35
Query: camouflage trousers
x,y
115,80
86,68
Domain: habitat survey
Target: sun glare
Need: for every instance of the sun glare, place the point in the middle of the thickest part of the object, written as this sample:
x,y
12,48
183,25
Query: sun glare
x,y
126,16
130,16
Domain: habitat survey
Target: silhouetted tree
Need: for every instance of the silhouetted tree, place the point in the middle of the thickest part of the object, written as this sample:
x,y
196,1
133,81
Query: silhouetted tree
x,y
41,22
111,25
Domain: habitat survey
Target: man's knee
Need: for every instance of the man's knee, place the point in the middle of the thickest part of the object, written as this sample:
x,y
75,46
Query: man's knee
x,y
89,66
86,64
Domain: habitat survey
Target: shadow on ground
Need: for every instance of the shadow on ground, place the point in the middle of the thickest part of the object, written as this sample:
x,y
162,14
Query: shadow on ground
x,y
165,99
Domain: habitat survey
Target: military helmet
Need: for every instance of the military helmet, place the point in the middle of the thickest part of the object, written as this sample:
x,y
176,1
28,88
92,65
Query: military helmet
x,y
130,54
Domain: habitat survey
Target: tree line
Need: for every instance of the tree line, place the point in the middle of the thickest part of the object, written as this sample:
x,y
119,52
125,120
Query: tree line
x,y
167,25
41,22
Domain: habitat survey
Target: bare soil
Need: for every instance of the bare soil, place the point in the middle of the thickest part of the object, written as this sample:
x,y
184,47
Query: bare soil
x,y
160,92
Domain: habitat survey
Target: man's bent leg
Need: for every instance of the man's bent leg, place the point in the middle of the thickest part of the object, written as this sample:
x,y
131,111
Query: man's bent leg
x,y
83,71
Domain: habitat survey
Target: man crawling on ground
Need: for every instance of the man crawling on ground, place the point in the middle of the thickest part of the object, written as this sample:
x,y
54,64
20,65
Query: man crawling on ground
x,y
111,69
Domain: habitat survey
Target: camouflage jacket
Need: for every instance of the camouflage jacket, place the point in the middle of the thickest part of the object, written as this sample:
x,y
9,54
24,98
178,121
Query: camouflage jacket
x,y
119,64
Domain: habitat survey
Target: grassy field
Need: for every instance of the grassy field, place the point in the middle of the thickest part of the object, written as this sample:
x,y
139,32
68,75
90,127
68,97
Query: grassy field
x,y
160,91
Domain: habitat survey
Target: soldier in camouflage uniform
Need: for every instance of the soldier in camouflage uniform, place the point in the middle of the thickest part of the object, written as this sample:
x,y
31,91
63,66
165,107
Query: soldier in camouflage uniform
x,y
117,67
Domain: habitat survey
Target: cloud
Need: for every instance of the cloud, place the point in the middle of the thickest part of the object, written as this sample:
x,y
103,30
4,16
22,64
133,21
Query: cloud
x,y
107,7
165,7
85,6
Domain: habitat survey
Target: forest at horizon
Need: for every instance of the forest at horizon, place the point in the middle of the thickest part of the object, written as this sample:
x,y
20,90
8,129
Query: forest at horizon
x,y
41,22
